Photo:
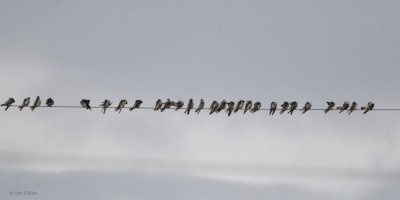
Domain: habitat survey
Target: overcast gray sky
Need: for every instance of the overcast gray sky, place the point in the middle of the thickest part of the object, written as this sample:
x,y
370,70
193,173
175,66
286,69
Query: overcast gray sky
x,y
265,51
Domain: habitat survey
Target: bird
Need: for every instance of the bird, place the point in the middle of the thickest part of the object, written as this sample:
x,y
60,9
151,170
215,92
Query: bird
x,y
36,103
306,107
221,106
231,106
239,106
273,108
136,105
8,103
106,103
331,105
167,105
284,106
189,107
85,103
158,105
353,107
293,106
201,106
121,105
247,107
368,107
179,105
344,107
25,103
49,102
256,107
213,107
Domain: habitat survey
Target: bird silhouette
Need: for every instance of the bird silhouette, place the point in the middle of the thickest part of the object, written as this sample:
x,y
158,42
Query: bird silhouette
x,y
158,105
221,106
136,105
200,107
25,103
331,105
106,103
247,107
272,108
214,106
85,103
189,107
284,106
8,103
239,106
344,107
353,107
293,107
306,107
167,105
36,103
368,107
49,102
231,106
179,105
121,105
256,107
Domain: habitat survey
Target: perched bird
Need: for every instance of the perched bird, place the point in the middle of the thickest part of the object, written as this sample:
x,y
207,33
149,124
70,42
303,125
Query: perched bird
x,y
8,103
293,107
256,107
353,107
331,105
221,106
49,102
231,106
179,105
85,104
213,107
36,103
106,103
121,105
272,109
136,105
239,106
173,103
369,107
344,107
247,107
284,106
158,105
189,107
201,106
167,105
25,103
306,107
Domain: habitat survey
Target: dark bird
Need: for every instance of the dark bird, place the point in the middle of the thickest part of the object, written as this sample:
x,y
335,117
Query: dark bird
x,y
167,105
25,103
49,102
85,104
331,105
36,103
106,103
8,103
158,105
293,107
272,109
231,106
256,107
306,107
344,107
213,107
368,107
353,107
173,103
239,106
221,106
200,107
247,107
136,105
189,107
284,106
179,105
121,105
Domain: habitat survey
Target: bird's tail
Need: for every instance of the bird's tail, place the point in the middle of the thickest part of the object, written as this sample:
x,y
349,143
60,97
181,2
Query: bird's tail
x,y
20,108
